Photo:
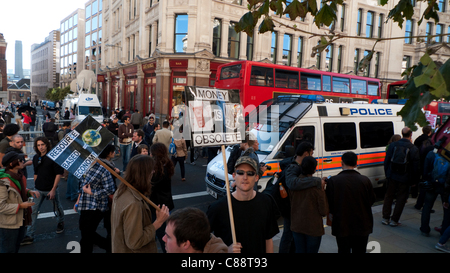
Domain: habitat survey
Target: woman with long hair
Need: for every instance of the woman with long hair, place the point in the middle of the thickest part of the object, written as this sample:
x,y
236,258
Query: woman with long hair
x,y
131,219
161,182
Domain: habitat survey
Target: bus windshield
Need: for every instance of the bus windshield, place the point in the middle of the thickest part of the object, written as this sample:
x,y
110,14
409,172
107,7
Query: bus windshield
x,y
273,118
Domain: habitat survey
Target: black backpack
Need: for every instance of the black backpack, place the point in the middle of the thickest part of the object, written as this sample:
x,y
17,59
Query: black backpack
x,y
400,159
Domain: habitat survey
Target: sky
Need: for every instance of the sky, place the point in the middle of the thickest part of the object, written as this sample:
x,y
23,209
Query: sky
x,y
31,21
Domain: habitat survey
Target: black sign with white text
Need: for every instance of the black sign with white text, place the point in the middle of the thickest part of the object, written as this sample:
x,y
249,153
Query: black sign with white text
x,y
79,149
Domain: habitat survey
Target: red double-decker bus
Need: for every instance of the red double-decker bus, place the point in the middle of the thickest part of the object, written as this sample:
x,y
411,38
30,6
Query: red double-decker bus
x,y
439,108
393,88
259,82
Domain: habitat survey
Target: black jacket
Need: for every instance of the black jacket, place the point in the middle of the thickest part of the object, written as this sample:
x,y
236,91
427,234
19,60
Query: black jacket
x,y
412,175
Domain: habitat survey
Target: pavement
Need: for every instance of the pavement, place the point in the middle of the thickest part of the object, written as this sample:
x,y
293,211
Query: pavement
x,y
406,238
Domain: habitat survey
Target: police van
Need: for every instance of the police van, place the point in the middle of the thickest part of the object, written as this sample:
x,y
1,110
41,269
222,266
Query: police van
x,y
333,129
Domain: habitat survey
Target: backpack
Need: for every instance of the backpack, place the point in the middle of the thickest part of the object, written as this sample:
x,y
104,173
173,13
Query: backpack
x,y
399,160
440,169
172,149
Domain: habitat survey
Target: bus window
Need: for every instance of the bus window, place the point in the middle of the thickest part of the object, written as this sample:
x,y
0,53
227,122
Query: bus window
x,y
326,83
286,79
341,85
230,72
311,82
359,87
339,136
373,89
375,134
262,76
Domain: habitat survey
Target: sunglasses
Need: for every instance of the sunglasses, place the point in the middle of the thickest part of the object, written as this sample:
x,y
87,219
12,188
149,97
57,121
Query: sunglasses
x,y
249,173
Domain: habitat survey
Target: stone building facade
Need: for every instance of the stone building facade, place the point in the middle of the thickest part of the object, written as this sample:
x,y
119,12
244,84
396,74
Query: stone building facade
x,y
152,49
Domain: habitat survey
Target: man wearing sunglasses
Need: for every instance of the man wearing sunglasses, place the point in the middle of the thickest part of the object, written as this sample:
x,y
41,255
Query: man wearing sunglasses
x,y
254,213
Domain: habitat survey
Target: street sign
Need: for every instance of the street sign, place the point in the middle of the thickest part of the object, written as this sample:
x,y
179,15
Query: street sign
x,y
79,149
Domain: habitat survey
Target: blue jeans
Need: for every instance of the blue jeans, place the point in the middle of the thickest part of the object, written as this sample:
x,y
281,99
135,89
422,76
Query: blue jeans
x,y
10,239
125,150
305,243
57,207
430,198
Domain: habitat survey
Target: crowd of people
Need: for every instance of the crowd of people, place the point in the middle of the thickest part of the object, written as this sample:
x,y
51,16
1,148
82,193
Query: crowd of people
x,y
150,155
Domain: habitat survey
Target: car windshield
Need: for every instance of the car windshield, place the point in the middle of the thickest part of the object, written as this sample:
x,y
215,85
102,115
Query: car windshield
x,y
90,110
273,118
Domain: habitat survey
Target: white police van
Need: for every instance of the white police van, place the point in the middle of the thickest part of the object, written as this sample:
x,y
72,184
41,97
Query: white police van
x,y
333,128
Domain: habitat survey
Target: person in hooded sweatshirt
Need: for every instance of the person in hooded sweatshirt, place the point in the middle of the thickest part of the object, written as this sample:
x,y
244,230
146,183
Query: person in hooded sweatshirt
x,y
188,231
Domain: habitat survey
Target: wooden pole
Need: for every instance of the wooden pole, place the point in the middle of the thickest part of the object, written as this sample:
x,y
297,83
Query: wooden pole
x,y
127,184
227,183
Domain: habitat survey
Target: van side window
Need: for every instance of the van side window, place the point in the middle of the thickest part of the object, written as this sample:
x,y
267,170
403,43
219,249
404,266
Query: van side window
x,y
375,134
339,136
298,135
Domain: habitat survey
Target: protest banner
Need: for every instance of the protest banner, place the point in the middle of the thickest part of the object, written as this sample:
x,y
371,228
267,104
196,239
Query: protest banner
x,y
79,150
215,118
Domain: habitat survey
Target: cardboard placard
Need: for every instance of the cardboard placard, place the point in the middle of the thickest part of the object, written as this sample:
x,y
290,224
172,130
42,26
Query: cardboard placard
x,y
215,116
79,149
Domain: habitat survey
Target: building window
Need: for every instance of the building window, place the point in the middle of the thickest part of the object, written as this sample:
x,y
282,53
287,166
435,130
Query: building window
x,y
406,63
408,31
233,41
428,31
342,17
300,52
318,59
380,25
181,33
358,22
150,29
369,24
249,53
217,34
273,48
287,49
448,37
329,58
339,64
367,69
441,5
356,61
439,29
377,64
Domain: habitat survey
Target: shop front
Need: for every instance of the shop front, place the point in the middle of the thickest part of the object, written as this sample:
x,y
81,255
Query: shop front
x,y
131,88
149,96
178,81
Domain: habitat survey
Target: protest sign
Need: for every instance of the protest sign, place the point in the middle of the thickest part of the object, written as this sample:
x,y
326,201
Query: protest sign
x,y
215,116
79,149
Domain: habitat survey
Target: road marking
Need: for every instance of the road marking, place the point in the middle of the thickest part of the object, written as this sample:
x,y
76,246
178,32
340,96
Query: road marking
x,y
175,197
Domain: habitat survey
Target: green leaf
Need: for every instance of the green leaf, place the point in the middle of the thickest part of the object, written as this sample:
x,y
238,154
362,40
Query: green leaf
x,y
266,25
277,6
247,24
312,7
403,9
432,77
445,72
326,16
296,9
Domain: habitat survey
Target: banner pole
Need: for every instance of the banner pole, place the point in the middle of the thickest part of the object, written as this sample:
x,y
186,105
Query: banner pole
x,y
127,184
227,183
